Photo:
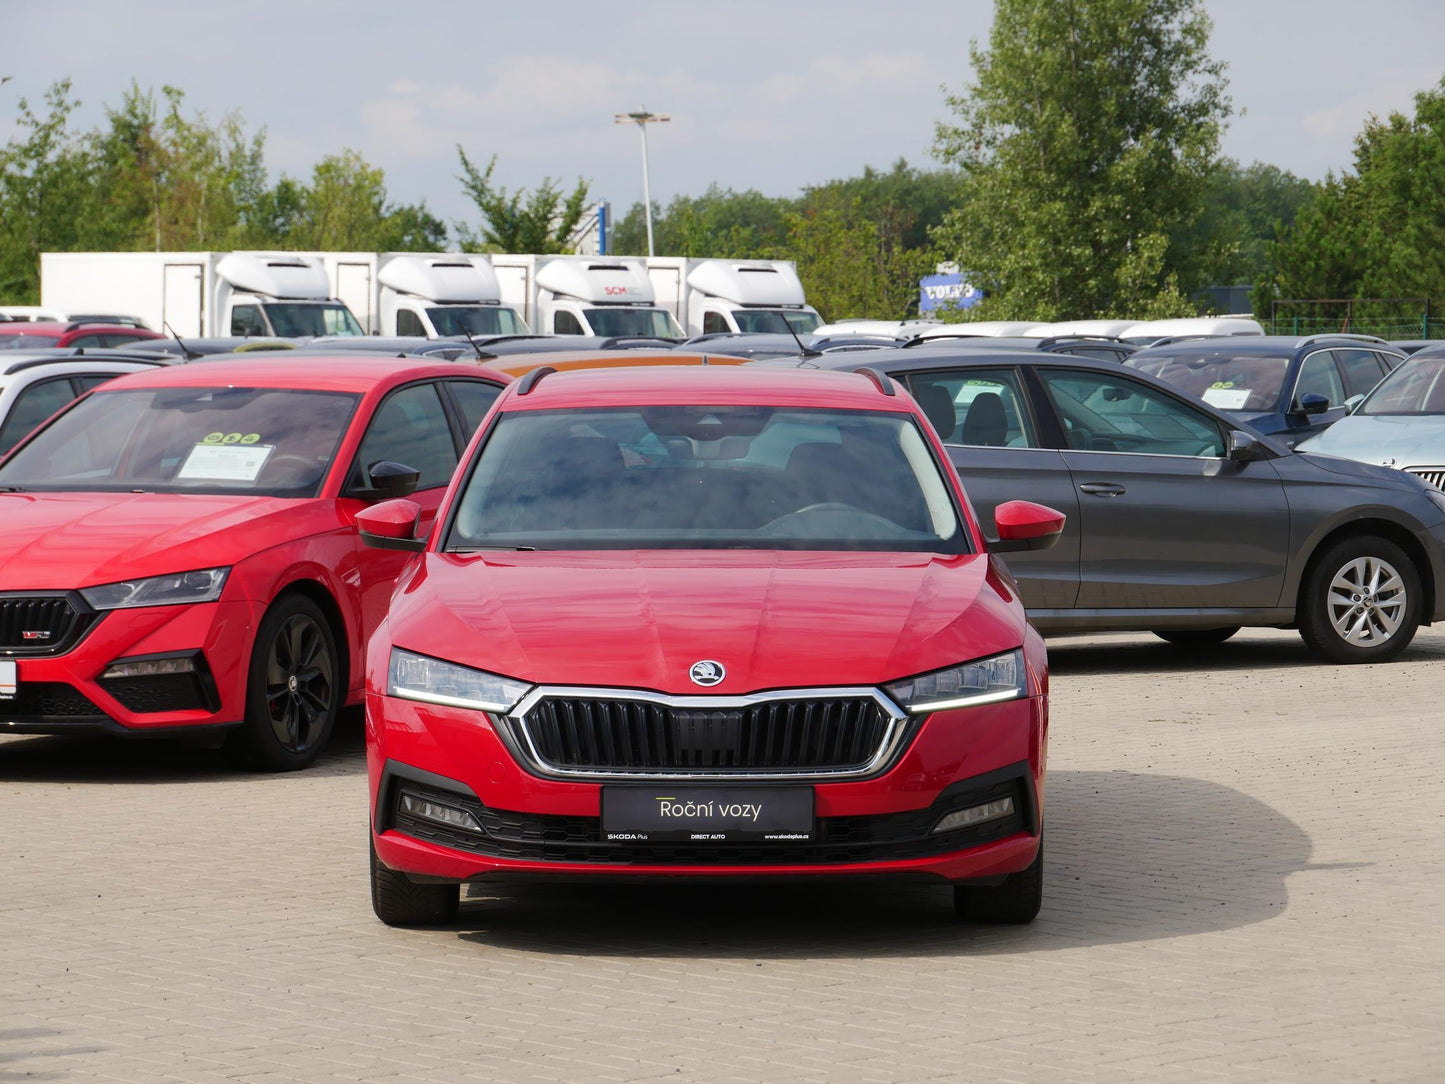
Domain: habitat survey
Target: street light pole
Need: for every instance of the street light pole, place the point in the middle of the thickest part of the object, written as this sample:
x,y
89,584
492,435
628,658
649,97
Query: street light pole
x,y
642,118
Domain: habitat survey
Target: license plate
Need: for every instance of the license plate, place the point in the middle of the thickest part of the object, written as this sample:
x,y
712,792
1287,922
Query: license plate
x,y
9,679
707,814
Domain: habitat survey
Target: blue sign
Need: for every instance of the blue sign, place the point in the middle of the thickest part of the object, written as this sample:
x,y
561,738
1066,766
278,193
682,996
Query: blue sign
x,y
946,291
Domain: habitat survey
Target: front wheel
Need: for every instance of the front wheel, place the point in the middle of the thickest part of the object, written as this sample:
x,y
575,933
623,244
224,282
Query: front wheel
x,y
399,901
1360,601
1016,902
1196,637
293,691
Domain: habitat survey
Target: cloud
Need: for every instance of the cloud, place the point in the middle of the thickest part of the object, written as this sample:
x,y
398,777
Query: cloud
x,y
1395,93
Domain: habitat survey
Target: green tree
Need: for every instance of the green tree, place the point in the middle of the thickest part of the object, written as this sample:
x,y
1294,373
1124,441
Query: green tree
x,y
542,221
852,266
1376,231
720,223
1088,137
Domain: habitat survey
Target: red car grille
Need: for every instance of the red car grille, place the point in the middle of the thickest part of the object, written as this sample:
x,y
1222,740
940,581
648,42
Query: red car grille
x,y
584,734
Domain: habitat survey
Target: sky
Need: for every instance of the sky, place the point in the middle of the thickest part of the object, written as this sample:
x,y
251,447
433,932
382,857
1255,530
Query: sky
x,y
768,95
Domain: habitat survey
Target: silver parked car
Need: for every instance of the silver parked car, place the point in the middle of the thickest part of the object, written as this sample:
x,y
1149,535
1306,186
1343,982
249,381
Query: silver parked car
x,y
1400,424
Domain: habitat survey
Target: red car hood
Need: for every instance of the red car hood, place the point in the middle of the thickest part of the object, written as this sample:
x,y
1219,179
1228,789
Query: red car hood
x,y
640,620
68,540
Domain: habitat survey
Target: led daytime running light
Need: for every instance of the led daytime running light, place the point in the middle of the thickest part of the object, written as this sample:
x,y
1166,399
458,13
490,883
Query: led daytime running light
x,y
434,681
985,681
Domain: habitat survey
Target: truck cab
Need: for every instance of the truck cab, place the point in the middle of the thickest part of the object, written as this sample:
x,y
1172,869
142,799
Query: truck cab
x,y
278,295
443,297
729,296
600,296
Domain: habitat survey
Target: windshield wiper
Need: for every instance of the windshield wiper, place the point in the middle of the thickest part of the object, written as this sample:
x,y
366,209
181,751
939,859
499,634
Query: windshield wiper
x,y
12,489
493,549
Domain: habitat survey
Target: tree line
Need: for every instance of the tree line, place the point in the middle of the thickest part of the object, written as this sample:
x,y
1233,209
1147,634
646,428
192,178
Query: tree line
x,y
1078,175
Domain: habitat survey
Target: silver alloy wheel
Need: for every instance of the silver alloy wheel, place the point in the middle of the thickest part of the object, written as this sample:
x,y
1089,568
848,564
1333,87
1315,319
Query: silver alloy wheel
x,y
1366,601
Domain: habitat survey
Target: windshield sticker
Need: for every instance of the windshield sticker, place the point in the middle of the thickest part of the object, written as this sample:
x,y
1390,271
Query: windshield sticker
x,y
234,462
1227,398
230,438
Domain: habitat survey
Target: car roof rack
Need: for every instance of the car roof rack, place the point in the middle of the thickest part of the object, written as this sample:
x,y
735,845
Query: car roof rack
x,y
884,382
1311,339
1193,336
532,378
32,363
917,339
1054,340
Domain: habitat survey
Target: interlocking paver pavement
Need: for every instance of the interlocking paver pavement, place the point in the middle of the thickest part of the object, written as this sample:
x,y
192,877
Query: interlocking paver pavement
x,y
1245,858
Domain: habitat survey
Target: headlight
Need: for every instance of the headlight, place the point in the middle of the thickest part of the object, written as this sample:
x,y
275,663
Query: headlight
x,y
432,681
987,681
173,590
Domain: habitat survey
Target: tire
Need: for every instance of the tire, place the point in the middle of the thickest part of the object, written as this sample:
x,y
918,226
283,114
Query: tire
x,y
400,901
1016,902
1360,601
294,689
1196,637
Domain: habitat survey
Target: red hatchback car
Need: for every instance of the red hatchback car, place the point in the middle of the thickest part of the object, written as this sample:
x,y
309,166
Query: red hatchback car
x,y
21,335
706,622
180,553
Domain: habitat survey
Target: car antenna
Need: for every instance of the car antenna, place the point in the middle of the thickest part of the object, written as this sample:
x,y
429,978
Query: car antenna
x,y
478,349
185,350
803,351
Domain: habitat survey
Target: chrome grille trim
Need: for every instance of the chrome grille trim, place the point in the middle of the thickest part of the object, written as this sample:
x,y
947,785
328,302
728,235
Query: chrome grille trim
x,y
894,736
1434,475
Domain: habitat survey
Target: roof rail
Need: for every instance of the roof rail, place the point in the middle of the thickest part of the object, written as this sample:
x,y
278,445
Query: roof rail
x,y
885,385
1054,340
31,363
1310,339
930,338
532,378
1170,340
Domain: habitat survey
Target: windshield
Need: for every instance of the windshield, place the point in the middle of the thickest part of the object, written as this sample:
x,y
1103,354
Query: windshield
x,y
1416,387
777,320
655,323
296,321
476,320
1221,378
261,441
700,477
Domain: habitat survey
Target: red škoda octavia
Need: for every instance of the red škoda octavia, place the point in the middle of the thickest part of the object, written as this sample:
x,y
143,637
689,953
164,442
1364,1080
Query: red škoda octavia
x,y
706,622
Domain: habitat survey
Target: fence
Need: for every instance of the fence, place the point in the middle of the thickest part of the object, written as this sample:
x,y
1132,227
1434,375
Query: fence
x,y
1387,317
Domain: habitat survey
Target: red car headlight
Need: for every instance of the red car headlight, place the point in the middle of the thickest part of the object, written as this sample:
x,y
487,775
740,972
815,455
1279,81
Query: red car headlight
x,y
984,681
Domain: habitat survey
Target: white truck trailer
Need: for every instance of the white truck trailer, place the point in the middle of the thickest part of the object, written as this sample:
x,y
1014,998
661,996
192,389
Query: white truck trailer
x,y
200,294
583,295
710,296
436,295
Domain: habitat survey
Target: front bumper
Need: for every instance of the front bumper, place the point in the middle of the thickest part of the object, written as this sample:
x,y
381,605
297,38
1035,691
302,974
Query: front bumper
x,y
537,827
64,693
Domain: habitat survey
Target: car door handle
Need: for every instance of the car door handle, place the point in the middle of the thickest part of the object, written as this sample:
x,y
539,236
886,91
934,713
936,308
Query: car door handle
x,y
1102,489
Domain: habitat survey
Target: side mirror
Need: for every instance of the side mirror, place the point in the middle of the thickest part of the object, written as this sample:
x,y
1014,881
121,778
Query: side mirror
x,y
1023,525
391,479
391,525
1311,403
1352,402
1245,448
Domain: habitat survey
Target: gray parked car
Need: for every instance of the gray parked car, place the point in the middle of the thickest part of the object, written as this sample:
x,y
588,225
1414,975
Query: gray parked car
x,y
1400,424
1181,520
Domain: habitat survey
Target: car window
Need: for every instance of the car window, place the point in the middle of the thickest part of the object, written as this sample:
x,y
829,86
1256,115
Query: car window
x,y
713,323
1102,353
31,407
1417,387
94,380
1222,378
1319,376
1362,370
564,323
408,323
981,407
1103,413
410,427
475,398
708,477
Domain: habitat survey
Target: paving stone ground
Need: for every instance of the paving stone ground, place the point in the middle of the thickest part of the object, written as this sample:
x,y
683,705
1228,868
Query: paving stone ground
x,y
1245,867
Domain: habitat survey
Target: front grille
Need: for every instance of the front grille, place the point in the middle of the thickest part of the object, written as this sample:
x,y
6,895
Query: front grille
x,y
50,700
837,840
1434,475
40,624
642,736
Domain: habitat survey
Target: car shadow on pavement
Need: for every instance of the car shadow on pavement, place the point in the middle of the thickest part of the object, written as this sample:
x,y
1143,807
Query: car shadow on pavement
x,y
1142,653
86,758
1130,857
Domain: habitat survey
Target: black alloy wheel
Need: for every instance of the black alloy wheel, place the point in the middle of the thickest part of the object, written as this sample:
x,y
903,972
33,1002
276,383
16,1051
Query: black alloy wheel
x,y
294,691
